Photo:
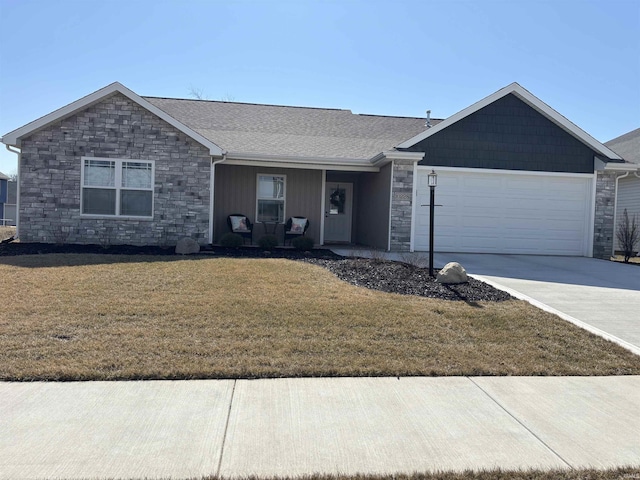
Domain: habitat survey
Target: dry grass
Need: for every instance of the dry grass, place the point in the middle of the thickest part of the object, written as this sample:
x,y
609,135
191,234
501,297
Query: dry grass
x,y
622,473
82,317
7,232
620,258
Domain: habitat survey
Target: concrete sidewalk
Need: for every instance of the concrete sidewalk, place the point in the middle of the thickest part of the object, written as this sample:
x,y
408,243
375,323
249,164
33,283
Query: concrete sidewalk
x,y
182,429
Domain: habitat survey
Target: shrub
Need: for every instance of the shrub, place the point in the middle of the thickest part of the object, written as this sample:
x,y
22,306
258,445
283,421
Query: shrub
x,y
268,242
628,235
231,240
302,243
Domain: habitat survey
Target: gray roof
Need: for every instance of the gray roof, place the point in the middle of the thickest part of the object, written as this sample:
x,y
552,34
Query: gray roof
x,y
3,176
627,146
291,131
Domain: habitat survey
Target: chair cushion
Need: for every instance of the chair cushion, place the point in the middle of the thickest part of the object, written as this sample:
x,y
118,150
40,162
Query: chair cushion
x,y
238,223
298,224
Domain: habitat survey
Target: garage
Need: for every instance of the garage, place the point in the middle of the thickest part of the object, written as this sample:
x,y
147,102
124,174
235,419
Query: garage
x,y
501,211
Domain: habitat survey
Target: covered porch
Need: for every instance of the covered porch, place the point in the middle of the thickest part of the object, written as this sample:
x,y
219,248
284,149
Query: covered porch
x,y
345,205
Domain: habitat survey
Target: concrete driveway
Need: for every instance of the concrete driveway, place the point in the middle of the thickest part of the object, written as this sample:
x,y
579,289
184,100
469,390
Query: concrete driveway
x,y
601,296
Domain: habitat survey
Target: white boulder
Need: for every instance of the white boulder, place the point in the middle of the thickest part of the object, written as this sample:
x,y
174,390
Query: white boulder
x,y
452,273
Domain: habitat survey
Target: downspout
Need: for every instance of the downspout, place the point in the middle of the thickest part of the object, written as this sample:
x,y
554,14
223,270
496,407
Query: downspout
x,y
390,205
615,213
19,154
213,191
323,212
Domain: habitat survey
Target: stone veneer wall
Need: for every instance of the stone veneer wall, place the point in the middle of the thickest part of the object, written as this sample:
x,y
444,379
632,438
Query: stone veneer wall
x,y
603,234
401,205
116,127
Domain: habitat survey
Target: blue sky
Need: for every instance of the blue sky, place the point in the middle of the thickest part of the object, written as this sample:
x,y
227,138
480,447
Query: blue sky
x,y
396,57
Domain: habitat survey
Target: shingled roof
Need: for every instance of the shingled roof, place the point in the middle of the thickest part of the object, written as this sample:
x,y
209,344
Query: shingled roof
x,y
627,146
291,131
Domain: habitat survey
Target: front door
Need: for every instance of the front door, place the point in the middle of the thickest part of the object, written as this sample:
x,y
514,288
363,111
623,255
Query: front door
x,y
338,201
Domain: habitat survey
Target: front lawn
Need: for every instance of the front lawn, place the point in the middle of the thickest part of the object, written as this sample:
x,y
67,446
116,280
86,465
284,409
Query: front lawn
x,y
620,259
108,317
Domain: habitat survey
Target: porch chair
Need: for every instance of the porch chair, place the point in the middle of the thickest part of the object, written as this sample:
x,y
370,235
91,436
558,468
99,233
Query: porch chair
x,y
241,225
295,227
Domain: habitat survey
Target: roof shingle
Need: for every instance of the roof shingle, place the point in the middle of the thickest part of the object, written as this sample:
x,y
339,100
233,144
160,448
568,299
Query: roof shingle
x,y
291,131
627,146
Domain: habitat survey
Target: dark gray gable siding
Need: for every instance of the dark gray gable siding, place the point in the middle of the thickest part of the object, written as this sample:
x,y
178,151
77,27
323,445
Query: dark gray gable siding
x,y
507,134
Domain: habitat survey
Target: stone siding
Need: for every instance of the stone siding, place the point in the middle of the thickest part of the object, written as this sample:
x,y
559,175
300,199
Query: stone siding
x,y
603,234
116,127
401,205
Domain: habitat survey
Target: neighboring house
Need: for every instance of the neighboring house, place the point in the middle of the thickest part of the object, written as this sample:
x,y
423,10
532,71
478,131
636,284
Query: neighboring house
x,y
628,191
10,208
514,176
4,193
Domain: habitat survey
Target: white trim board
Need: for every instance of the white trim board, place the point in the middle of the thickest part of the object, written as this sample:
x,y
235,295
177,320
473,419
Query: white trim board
x,y
275,163
14,137
531,100
508,172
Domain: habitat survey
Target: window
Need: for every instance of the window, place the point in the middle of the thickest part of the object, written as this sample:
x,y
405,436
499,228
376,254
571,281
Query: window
x,y
117,187
270,198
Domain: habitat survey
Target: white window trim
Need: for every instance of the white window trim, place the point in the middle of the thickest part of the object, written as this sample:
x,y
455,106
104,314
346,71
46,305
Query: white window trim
x,y
117,186
284,194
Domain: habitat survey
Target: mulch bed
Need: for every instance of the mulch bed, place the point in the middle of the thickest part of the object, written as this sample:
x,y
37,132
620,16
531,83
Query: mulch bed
x,y
376,274
398,277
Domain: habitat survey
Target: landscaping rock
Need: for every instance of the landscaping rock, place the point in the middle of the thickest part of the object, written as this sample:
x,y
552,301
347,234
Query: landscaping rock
x,y
452,274
187,246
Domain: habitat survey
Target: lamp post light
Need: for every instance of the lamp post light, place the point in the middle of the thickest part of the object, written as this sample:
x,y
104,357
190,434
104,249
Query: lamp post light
x,y
433,183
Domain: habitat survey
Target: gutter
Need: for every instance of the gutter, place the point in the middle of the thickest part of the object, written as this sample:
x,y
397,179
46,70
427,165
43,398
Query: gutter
x,y
19,154
310,163
621,167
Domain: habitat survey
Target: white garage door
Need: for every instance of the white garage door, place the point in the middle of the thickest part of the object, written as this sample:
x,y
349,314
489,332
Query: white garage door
x,y
502,212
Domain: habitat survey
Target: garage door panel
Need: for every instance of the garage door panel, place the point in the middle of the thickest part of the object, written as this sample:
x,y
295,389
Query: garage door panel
x,y
495,212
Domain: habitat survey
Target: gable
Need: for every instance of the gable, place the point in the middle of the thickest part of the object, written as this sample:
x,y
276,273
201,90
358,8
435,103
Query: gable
x,y
506,134
15,137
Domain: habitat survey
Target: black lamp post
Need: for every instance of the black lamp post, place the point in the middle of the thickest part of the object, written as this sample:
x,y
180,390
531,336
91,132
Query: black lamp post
x,y
433,183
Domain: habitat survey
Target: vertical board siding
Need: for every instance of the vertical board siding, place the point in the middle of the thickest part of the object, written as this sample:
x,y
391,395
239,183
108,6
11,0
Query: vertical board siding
x,y
629,198
373,212
235,192
507,134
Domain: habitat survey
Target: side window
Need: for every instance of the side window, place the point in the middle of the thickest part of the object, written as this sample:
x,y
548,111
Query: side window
x,y
117,187
271,198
